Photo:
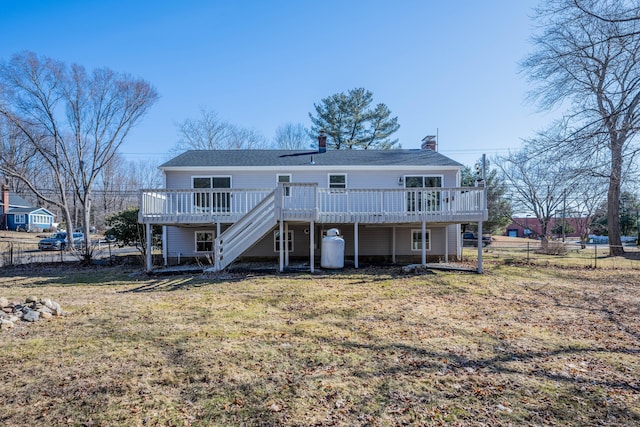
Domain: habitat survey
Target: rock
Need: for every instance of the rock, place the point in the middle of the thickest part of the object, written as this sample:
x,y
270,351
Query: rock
x,y
31,316
6,324
30,310
57,310
44,309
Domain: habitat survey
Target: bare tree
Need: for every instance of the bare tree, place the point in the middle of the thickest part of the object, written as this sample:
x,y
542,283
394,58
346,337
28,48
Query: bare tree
x,y
588,192
591,65
74,120
116,189
19,155
536,184
210,132
291,136
146,174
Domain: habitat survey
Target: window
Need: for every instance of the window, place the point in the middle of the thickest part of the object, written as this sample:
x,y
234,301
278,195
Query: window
x,y
338,181
288,241
221,200
416,240
204,241
40,219
284,178
19,219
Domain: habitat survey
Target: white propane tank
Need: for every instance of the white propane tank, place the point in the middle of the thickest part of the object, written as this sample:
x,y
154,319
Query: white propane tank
x,y
332,250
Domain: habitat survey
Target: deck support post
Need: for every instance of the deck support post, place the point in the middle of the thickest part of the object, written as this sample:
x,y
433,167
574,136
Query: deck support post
x,y
281,237
446,243
424,243
286,242
312,243
165,251
480,247
355,243
148,243
393,244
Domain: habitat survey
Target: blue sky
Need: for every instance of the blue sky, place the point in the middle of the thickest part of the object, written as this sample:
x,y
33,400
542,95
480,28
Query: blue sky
x,y
446,67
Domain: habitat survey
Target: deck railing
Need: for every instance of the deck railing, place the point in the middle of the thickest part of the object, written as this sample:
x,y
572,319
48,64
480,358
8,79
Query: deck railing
x,y
298,201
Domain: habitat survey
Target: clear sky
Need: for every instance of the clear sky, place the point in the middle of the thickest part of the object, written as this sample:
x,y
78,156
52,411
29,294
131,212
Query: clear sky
x,y
446,67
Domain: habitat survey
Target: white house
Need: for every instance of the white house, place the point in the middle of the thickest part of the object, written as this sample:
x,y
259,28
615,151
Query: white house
x,y
401,206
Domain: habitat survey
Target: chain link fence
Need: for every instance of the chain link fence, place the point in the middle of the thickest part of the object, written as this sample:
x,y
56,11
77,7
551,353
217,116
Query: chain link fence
x,y
556,253
16,253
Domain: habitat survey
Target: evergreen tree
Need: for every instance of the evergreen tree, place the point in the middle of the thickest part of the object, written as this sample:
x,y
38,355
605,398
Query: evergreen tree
x,y
351,123
499,207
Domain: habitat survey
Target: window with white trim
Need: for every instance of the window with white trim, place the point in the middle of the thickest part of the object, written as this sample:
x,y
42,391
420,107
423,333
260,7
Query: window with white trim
x,y
204,241
281,177
416,240
338,180
20,219
40,219
288,241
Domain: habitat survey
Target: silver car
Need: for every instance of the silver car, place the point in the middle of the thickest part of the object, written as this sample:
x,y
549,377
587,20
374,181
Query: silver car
x,y
58,241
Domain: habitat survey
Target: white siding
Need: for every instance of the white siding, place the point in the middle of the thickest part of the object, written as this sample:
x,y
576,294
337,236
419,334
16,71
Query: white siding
x,y
374,179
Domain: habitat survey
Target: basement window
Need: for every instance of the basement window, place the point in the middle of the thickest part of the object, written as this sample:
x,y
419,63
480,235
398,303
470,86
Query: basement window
x,y
204,241
416,240
288,241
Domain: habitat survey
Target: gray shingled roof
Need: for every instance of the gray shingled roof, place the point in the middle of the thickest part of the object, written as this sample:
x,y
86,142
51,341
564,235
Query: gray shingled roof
x,y
257,158
22,210
15,200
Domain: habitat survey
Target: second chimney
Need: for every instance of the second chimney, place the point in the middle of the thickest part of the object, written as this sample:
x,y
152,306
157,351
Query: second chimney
x,y
429,143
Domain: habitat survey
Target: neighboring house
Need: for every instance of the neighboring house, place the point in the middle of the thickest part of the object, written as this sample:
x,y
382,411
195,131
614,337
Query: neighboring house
x,y
17,214
29,219
530,227
401,206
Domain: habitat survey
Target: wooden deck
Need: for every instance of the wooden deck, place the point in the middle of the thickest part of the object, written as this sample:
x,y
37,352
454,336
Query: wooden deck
x,y
308,202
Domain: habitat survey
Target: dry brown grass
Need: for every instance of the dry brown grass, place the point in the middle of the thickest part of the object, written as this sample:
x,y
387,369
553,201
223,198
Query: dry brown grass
x,y
515,346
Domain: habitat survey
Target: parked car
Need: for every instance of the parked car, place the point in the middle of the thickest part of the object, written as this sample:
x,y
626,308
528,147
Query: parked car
x,y
58,241
471,239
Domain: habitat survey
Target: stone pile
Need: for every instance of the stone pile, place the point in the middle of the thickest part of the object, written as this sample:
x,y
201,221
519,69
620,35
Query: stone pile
x,y
31,310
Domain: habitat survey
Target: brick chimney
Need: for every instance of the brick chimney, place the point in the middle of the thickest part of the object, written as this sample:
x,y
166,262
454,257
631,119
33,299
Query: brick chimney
x,y
322,141
429,143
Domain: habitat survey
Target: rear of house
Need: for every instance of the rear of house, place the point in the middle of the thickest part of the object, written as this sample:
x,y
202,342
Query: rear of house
x,y
398,206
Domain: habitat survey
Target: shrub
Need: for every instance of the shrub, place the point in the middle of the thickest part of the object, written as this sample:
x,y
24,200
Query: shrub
x,y
553,248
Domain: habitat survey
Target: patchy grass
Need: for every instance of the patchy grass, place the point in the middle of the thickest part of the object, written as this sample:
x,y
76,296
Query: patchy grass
x,y
515,346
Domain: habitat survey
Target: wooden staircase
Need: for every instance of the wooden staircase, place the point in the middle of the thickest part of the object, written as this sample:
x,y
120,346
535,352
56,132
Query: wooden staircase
x,y
235,240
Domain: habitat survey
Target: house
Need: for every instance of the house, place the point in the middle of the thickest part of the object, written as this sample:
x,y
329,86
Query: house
x,y
400,206
17,214
29,219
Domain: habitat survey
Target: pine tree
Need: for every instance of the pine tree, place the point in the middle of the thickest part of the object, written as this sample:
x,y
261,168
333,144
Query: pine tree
x,y
351,122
